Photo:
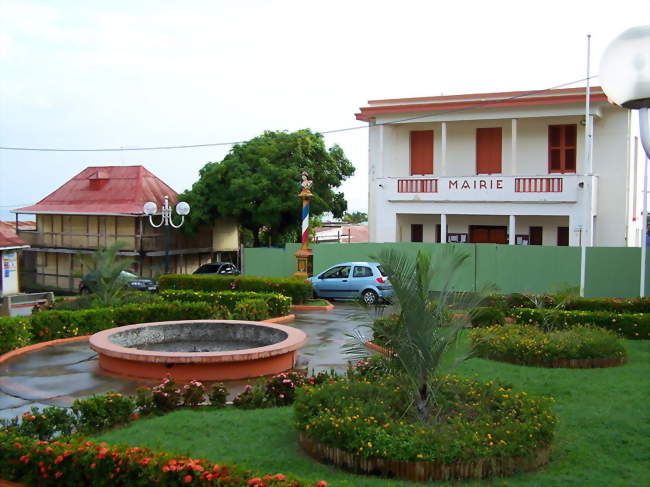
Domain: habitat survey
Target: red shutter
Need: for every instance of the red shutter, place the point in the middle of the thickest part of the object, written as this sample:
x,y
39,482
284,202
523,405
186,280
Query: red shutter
x,y
421,152
488,150
562,148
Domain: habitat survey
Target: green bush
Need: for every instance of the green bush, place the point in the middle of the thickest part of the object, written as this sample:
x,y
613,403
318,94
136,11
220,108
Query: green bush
x,y
15,333
251,310
370,419
90,301
278,304
50,325
487,316
634,326
172,311
298,290
529,345
571,303
97,413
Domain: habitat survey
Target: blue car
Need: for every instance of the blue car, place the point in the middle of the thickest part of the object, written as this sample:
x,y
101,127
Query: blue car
x,y
352,280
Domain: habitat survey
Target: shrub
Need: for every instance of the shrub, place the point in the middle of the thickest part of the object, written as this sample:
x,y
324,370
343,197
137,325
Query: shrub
x,y
166,395
218,394
193,393
147,313
50,325
44,425
487,316
252,310
298,290
383,328
14,333
530,345
278,304
634,326
98,413
478,420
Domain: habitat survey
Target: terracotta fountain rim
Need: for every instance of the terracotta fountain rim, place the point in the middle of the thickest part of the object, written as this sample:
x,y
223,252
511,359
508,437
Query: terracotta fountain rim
x,y
101,344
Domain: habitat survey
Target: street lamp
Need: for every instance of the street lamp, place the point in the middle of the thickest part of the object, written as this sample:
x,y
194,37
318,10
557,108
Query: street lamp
x,y
625,78
150,209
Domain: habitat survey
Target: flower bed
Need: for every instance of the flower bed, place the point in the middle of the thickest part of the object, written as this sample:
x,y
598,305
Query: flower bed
x,y
576,347
483,430
79,462
298,290
571,303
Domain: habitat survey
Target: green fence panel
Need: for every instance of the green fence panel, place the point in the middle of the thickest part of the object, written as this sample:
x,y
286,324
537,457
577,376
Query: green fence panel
x,y
270,262
613,272
527,269
327,255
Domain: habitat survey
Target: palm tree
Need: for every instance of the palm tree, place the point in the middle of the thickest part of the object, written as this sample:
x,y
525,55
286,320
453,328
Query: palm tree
x,y
427,328
105,278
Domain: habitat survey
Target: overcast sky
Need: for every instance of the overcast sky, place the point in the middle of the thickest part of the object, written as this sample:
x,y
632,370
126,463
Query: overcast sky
x,y
109,74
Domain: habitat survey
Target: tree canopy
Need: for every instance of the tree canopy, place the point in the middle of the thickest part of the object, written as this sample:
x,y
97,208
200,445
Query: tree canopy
x,y
355,217
258,181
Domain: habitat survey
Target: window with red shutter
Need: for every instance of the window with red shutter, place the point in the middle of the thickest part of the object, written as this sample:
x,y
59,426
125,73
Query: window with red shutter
x,y
562,148
421,152
488,150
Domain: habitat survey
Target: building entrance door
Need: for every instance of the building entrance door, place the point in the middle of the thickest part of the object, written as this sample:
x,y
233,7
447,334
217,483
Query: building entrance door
x,y
488,234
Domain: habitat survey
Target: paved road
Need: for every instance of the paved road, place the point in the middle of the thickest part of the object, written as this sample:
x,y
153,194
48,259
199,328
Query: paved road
x,y
58,375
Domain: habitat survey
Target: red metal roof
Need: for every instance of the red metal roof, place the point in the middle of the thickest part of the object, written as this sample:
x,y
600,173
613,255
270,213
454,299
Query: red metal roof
x,y
8,238
479,100
105,190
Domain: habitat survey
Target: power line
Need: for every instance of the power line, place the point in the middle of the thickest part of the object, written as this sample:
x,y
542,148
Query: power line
x,y
348,129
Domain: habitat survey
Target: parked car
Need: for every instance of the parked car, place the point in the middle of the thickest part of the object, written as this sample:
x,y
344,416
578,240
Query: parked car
x,y
351,280
130,280
217,268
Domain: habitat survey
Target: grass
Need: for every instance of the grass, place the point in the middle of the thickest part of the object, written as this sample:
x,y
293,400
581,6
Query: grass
x,y
315,302
603,437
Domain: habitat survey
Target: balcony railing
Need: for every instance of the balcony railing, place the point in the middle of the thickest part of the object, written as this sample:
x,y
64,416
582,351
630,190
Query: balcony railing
x,y
488,188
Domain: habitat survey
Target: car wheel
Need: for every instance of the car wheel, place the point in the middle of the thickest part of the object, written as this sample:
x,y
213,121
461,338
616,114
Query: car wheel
x,y
84,291
370,297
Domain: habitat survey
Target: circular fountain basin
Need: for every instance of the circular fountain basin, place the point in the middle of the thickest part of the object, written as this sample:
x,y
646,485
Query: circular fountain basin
x,y
198,349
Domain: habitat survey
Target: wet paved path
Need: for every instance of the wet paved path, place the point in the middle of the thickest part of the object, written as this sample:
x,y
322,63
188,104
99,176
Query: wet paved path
x,y
59,374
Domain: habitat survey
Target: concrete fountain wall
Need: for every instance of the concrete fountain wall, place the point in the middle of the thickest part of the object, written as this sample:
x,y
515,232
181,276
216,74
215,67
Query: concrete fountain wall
x,y
198,349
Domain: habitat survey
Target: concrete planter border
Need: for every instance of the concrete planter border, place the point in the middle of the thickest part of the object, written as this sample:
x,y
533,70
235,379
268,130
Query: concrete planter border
x,y
302,307
423,471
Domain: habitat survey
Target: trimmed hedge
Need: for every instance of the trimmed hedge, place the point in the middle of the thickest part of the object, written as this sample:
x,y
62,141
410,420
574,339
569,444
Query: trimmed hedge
x,y
574,303
14,333
54,324
278,304
634,326
529,345
298,290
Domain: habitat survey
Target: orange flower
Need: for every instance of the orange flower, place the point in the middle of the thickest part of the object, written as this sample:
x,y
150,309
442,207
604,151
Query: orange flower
x,y
58,474
58,459
280,477
187,479
321,483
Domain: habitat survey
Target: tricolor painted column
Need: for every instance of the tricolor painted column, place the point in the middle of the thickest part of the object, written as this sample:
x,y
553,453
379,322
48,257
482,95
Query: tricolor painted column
x,y
304,255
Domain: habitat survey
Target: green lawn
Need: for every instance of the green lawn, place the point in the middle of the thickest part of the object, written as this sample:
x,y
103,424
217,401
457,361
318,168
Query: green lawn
x,y
315,302
603,437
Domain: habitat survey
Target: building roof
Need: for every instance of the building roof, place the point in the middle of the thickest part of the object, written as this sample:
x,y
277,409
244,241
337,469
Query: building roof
x,y
342,233
479,100
105,190
9,239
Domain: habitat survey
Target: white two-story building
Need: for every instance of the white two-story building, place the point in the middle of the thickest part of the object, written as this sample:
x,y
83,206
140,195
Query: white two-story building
x,y
504,168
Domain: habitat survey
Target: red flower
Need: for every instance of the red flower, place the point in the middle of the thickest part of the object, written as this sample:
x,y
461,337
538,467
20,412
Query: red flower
x,y
256,480
58,474
187,479
135,416
280,477
321,483
58,459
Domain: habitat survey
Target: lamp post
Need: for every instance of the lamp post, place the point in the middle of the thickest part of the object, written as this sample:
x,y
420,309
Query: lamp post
x,y
167,220
625,78
304,255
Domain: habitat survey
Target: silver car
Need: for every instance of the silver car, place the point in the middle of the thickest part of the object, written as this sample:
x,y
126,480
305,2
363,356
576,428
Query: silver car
x,y
352,280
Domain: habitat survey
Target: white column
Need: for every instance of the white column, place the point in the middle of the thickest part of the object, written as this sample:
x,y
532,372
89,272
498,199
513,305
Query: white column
x,y
443,149
513,148
443,228
511,230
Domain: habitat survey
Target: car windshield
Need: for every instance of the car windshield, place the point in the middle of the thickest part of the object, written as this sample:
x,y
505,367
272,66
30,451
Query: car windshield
x,y
381,270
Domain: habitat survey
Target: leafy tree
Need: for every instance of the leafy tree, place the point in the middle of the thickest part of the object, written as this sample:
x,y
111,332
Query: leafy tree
x,y
355,217
257,183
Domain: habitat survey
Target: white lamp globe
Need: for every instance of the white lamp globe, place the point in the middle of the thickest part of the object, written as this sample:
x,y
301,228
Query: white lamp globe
x,y
625,68
182,208
150,208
